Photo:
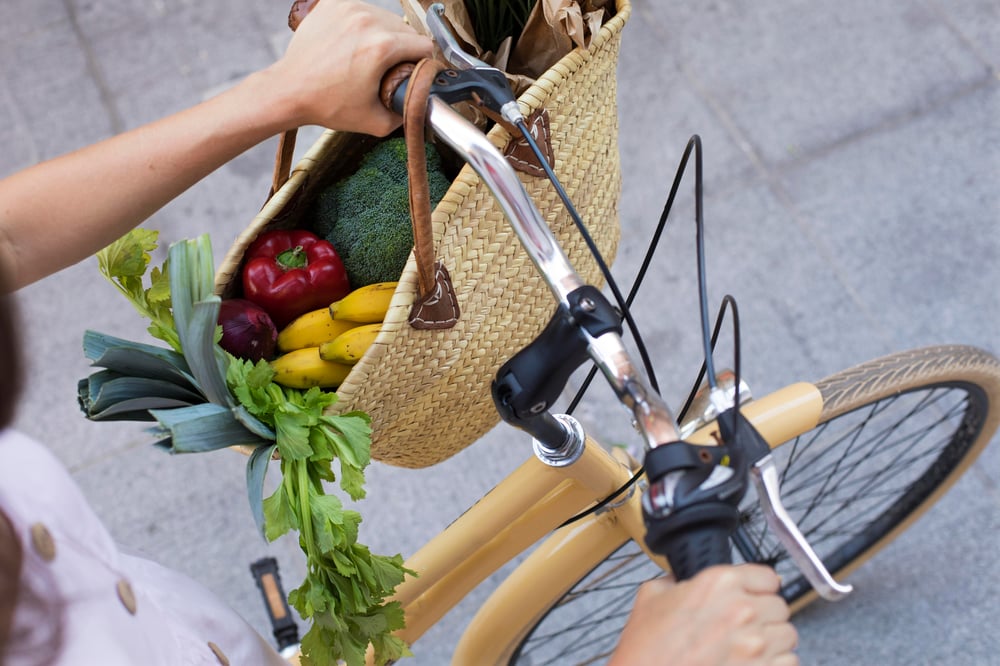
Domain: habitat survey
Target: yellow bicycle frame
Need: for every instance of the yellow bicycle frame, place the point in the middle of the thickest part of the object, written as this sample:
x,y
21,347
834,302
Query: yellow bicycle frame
x,y
529,504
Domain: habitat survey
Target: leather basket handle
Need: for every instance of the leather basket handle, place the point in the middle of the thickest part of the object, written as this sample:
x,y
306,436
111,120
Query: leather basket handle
x,y
286,142
436,305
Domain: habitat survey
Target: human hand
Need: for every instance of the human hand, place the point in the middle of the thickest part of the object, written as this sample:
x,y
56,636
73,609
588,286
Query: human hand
x,y
331,71
726,615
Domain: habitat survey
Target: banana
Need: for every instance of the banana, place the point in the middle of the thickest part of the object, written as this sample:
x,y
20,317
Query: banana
x,y
303,369
311,330
365,305
351,345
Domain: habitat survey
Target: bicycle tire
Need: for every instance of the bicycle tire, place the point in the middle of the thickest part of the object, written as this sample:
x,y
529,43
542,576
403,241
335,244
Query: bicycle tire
x,y
933,408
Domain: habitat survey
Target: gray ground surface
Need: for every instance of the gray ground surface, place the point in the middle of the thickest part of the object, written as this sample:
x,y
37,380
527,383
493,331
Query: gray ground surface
x,y
852,162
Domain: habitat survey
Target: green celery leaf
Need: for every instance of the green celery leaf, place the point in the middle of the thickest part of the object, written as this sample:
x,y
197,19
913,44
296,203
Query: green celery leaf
x,y
292,427
324,452
351,450
370,625
345,567
352,481
129,255
205,427
316,400
389,571
361,556
158,293
327,519
389,647
123,263
279,516
322,651
257,465
251,385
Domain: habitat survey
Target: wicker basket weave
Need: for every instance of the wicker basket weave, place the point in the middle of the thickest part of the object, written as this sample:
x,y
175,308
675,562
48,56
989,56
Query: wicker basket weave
x,y
428,391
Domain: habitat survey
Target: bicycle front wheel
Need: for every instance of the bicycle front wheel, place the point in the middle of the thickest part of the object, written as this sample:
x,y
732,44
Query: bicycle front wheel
x,y
894,434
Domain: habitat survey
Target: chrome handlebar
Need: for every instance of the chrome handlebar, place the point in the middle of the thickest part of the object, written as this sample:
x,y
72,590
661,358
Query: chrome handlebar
x,y
653,418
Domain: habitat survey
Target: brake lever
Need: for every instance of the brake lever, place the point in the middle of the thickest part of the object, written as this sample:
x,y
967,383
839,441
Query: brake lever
x,y
452,52
498,95
764,476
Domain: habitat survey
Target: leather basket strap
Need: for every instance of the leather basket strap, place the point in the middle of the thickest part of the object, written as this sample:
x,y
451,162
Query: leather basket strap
x,y
286,142
436,305
414,129
283,160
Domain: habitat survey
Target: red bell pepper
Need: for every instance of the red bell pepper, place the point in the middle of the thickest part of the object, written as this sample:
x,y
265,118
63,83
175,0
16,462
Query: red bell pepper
x,y
291,272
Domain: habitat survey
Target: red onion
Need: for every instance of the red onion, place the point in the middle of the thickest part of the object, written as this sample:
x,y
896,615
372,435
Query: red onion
x,y
247,331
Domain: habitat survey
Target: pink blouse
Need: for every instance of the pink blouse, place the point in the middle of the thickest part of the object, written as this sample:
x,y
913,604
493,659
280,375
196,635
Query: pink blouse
x,y
114,608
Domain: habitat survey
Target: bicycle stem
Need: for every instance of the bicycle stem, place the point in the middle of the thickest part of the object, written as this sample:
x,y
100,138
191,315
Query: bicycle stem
x,y
652,416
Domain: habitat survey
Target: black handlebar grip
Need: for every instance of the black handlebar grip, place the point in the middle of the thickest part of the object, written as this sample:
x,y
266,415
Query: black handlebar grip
x,y
695,538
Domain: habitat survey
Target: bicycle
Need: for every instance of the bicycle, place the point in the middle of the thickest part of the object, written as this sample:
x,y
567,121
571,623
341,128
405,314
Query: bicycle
x,y
840,445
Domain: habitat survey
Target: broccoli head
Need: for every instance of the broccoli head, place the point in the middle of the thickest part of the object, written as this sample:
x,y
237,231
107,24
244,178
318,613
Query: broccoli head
x,y
366,216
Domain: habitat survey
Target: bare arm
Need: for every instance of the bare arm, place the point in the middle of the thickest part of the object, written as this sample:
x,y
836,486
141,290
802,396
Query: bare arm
x,y
61,211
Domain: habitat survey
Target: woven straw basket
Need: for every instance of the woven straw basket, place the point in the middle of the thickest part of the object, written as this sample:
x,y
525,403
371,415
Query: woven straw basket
x,y
428,391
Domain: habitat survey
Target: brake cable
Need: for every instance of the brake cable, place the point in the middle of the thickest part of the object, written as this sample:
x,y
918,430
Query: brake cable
x,y
708,339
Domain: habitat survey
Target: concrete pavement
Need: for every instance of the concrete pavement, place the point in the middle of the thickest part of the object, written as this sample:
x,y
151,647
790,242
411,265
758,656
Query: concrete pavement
x,y
852,169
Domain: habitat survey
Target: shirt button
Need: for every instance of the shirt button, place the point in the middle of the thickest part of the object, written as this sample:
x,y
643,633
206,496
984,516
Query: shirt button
x,y
41,541
126,595
219,654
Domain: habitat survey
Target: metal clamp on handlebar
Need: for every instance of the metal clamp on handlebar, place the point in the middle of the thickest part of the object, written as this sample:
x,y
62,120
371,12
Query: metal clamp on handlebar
x,y
529,383
488,86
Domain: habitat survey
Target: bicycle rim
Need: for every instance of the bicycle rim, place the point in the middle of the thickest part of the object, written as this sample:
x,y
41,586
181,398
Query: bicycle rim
x,y
894,435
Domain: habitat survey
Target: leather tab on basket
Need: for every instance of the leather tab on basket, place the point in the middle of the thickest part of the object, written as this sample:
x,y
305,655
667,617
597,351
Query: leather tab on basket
x,y
519,153
429,272
439,308
299,10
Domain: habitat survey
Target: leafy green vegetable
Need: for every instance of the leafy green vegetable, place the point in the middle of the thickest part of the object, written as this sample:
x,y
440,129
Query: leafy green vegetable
x,y
136,358
196,315
205,399
345,591
124,263
366,215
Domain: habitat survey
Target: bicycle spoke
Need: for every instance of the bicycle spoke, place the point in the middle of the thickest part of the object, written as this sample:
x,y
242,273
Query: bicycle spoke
x,y
851,497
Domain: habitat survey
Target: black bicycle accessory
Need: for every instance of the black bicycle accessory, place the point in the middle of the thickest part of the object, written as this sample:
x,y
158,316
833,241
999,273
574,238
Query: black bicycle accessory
x,y
691,507
487,85
286,631
528,384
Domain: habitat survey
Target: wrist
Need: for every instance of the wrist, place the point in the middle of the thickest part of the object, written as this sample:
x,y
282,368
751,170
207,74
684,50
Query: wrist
x,y
275,98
